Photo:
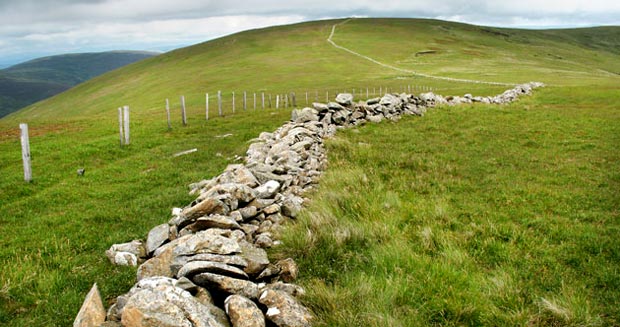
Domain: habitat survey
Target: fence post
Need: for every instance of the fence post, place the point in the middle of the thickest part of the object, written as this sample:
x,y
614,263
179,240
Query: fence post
x,y
293,100
277,101
326,96
25,140
183,116
168,113
126,123
245,100
269,100
306,98
207,106
254,100
219,102
120,125
262,96
286,101
233,101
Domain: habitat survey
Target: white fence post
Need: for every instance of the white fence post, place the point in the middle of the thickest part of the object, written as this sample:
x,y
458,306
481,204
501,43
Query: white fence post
x,y
25,140
207,106
254,100
120,125
183,116
126,123
277,101
168,113
219,102
262,95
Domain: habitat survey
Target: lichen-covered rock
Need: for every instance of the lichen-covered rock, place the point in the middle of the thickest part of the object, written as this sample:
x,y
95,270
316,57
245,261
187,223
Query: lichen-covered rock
x,y
284,310
92,313
243,312
165,306
156,237
126,254
345,99
227,284
195,267
288,270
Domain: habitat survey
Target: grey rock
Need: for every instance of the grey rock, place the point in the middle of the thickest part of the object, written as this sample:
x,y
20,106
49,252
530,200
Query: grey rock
x,y
267,190
208,241
227,284
291,206
284,310
290,289
196,267
320,107
345,99
288,270
212,221
185,284
156,237
255,257
270,271
375,118
248,212
92,313
243,312
304,115
271,209
203,208
334,106
263,240
166,306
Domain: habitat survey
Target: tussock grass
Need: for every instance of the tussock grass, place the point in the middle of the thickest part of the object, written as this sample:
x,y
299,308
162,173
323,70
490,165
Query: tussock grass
x,y
475,216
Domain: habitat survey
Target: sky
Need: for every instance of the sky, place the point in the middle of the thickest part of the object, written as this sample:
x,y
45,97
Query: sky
x,y
36,28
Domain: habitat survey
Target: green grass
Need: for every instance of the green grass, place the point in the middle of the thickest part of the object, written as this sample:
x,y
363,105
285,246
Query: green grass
x,y
55,230
470,216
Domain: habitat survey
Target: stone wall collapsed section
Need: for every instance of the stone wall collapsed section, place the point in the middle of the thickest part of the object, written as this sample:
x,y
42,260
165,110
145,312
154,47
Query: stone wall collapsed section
x,y
207,266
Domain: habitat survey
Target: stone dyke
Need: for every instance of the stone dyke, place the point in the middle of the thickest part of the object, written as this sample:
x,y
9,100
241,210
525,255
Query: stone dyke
x,y
207,266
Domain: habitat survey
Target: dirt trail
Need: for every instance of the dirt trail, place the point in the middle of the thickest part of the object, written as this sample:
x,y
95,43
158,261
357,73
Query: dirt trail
x,y
331,35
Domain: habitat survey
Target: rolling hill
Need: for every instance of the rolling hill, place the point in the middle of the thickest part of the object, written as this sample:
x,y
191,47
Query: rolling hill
x,y
41,78
522,198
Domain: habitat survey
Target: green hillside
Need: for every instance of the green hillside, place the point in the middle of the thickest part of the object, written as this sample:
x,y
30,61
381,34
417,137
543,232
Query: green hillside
x,y
38,79
488,182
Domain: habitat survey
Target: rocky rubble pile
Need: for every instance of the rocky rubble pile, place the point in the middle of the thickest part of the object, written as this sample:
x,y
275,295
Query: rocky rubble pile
x,y
207,265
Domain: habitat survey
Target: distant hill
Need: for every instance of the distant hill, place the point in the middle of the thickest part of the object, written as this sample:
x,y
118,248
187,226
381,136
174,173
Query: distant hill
x,y
38,79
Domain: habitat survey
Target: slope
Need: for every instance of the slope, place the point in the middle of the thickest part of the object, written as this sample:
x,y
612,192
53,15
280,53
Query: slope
x,y
38,79
56,229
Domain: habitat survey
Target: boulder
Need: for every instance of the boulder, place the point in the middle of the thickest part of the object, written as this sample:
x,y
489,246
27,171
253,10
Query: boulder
x,y
227,284
166,306
208,241
284,310
243,312
304,115
195,267
345,99
92,313
267,190
255,257
156,237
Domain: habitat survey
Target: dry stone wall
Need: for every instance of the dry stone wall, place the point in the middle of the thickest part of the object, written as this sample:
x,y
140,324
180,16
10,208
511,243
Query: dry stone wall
x,y
207,266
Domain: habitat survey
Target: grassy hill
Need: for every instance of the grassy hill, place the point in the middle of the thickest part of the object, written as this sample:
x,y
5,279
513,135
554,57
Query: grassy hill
x,y
38,79
55,230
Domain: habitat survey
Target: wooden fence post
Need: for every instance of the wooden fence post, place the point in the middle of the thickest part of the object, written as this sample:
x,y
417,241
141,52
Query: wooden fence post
x,y
183,116
293,100
262,97
126,123
254,100
277,101
25,140
306,98
326,96
269,100
286,101
168,113
233,101
219,102
207,106
120,125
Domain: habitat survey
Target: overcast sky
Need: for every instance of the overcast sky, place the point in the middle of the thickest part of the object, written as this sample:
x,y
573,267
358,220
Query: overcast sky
x,y
34,28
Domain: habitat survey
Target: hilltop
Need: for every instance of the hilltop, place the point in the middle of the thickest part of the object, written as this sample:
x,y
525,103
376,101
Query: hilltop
x,y
298,58
41,78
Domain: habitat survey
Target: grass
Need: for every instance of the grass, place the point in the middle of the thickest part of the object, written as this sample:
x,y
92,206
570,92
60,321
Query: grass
x,y
55,230
470,216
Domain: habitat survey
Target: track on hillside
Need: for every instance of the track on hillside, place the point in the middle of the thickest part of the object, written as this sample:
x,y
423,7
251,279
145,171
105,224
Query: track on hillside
x,y
330,41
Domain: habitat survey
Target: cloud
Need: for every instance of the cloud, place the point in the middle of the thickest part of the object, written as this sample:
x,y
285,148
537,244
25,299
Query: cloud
x,y
57,26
